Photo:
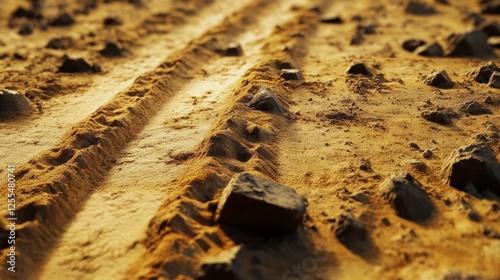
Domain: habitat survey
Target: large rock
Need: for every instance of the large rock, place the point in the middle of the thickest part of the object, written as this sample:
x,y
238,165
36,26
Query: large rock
x,y
407,197
473,43
473,168
266,100
13,104
258,206
439,79
483,74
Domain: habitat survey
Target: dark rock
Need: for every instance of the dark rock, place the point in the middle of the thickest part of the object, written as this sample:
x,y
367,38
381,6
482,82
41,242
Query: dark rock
x,y
21,12
26,29
358,68
365,165
358,37
332,19
416,165
61,43
414,146
19,56
439,115
258,206
291,74
491,232
474,108
351,232
473,168
63,19
419,8
439,79
484,73
111,50
220,266
494,80
369,29
430,50
472,214
473,43
14,104
266,100
491,7
427,154
412,44
112,21
476,18
491,29
78,65
232,49
407,197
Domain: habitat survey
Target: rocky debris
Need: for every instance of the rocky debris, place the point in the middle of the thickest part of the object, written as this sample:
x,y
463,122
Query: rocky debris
x,y
473,108
266,100
419,8
440,115
351,232
61,43
258,206
14,104
111,50
358,68
439,79
78,65
483,74
63,19
473,169
430,50
494,80
112,21
427,154
412,44
335,19
220,266
232,49
26,29
291,74
473,43
491,29
490,7
407,197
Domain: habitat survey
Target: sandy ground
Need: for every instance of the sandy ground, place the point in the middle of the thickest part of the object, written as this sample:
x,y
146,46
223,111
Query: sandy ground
x,y
120,166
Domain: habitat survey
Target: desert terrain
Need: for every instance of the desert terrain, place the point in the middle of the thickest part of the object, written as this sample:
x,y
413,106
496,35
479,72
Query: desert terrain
x,y
371,126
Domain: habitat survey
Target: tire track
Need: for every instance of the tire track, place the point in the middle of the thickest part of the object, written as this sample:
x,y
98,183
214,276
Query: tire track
x,y
183,229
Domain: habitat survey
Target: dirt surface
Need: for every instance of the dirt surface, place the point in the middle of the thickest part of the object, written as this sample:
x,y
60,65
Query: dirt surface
x,y
125,120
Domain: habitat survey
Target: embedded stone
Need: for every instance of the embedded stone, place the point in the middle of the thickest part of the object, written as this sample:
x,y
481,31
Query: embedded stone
x,y
483,74
111,50
358,68
439,79
266,100
78,65
419,8
291,74
63,19
430,50
412,44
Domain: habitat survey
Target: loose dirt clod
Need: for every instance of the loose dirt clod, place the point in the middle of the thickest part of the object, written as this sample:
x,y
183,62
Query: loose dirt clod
x,y
111,50
258,206
78,65
266,100
358,68
483,74
13,104
430,50
291,74
473,43
63,19
407,197
440,115
419,8
474,108
412,44
439,79
473,169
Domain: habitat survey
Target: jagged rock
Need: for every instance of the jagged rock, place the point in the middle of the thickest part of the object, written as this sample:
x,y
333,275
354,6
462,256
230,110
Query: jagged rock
x,y
419,8
258,206
61,43
473,168
78,65
112,21
351,232
484,73
474,108
412,44
266,100
407,197
491,29
291,74
439,79
111,50
494,81
473,43
490,7
430,50
220,266
440,115
13,104
358,68
332,19
63,19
